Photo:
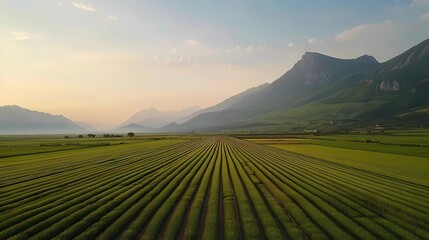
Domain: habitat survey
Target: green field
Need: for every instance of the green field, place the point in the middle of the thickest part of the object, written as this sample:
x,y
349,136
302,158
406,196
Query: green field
x,y
212,187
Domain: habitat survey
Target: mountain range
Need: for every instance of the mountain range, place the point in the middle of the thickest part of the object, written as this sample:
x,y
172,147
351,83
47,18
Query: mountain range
x,y
326,92
18,120
149,120
319,92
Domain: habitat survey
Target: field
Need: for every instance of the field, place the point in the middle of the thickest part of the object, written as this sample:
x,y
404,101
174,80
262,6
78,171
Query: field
x,y
215,187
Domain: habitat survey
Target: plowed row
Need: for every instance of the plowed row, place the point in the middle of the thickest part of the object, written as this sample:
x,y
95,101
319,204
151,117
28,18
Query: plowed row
x,y
214,188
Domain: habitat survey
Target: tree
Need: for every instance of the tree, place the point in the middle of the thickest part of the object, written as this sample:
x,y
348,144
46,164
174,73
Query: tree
x,y
80,136
130,134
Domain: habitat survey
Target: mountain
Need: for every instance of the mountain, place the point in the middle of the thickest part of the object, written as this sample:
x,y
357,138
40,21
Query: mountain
x,y
153,118
18,120
229,102
171,127
86,126
393,93
323,91
136,128
313,72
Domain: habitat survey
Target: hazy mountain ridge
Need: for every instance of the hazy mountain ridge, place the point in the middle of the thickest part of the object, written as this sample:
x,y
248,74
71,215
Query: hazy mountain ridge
x,y
319,91
18,120
227,103
153,118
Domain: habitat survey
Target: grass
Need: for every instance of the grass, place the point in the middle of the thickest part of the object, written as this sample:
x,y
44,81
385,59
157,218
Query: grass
x,y
402,142
409,168
211,187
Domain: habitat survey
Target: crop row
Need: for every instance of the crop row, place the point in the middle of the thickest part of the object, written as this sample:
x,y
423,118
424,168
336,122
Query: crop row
x,y
209,188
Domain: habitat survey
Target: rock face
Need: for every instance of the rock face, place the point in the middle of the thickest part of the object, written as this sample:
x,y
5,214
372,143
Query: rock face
x,y
389,86
412,56
405,73
315,73
318,69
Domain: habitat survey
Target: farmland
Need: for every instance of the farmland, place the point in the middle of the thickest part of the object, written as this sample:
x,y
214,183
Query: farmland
x,y
211,187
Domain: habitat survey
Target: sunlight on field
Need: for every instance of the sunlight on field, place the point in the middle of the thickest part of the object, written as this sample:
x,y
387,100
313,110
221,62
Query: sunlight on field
x,y
399,166
209,187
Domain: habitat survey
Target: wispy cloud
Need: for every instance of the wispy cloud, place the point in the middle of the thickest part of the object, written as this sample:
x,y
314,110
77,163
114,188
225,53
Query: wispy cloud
x,y
192,42
113,18
259,48
19,36
291,45
175,60
425,16
360,30
313,40
85,6
234,49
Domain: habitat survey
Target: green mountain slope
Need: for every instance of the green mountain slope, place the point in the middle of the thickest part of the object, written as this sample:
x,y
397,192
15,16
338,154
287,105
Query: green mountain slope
x,y
313,73
394,93
322,91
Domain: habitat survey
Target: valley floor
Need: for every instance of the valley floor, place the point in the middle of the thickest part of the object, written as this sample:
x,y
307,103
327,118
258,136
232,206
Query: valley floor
x,y
213,187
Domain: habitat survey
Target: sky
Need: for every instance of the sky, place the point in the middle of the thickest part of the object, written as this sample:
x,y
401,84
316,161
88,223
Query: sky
x,y
101,61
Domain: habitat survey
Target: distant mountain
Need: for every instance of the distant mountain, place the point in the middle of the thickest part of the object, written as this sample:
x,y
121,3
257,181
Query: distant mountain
x,y
229,102
136,128
86,126
153,118
171,127
18,120
323,91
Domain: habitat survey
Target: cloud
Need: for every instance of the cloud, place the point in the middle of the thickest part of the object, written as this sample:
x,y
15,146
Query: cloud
x,y
173,61
291,45
360,30
425,16
85,6
192,42
313,40
113,18
234,49
174,50
259,48
19,36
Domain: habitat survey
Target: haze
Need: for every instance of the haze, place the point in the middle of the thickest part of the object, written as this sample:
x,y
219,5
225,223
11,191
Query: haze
x,y
102,61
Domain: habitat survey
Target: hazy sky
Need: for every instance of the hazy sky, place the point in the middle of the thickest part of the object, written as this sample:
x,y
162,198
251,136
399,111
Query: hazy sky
x,y
100,61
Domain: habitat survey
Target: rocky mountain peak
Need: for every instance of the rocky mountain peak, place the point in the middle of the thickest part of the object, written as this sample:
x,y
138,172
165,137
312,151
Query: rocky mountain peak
x,y
367,59
319,69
